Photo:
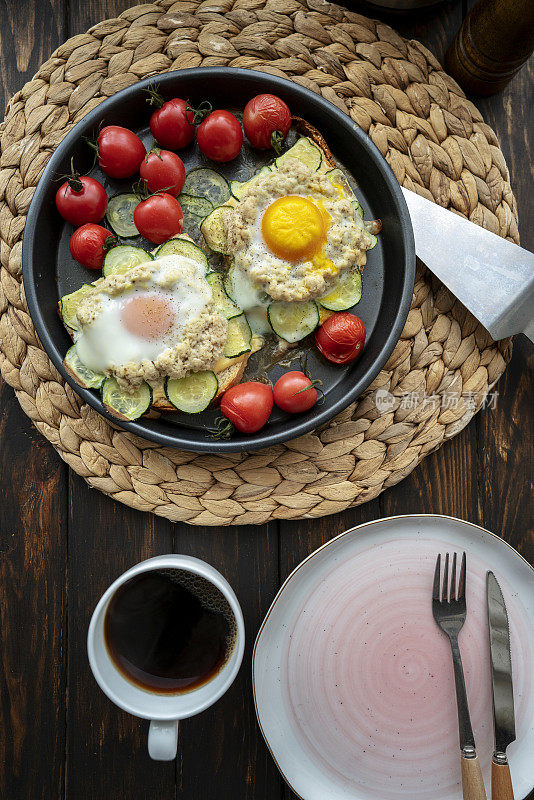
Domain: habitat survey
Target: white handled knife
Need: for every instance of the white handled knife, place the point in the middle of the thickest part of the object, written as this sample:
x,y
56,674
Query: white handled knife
x,y
492,277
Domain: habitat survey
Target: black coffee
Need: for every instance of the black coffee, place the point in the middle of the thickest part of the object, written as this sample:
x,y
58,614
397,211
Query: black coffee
x,y
169,631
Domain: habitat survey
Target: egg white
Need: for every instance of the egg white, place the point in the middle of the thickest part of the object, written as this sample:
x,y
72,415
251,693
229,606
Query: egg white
x,y
105,343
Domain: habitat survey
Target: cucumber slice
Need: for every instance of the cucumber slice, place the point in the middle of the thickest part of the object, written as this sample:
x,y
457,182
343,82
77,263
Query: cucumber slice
x,y
293,321
206,183
238,188
238,338
123,404
120,214
120,259
212,229
346,294
304,150
84,376
183,247
193,393
240,289
224,304
70,302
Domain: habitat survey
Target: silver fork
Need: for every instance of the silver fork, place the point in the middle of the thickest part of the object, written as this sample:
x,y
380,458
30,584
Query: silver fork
x,y
449,610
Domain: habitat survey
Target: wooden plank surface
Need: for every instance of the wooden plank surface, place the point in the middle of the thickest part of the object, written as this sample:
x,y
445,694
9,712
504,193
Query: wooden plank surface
x,y
62,543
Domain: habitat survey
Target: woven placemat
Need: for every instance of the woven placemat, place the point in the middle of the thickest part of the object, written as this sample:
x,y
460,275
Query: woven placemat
x,y
436,143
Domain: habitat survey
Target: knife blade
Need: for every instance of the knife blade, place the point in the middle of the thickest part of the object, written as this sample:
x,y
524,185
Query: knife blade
x,y
491,276
503,694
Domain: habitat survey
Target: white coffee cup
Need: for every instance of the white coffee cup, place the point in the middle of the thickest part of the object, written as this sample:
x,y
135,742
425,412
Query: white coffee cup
x,y
164,710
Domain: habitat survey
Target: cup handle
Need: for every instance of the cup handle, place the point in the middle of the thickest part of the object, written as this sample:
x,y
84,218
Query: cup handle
x,y
163,739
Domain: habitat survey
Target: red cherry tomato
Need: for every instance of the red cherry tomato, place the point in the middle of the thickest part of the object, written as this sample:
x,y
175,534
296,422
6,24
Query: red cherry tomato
x,y
294,392
341,337
248,405
220,136
81,200
88,245
172,124
159,218
120,151
163,171
266,120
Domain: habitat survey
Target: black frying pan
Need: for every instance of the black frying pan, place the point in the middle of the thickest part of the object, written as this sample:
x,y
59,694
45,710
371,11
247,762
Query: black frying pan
x,y
49,271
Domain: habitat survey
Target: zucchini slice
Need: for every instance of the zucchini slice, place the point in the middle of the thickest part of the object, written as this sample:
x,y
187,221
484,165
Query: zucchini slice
x,y
120,259
238,338
346,294
124,405
183,247
358,210
238,188
206,183
224,304
85,377
193,393
293,321
258,321
70,302
240,289
338,179
194,210
212,229
192,204
304,150
120,214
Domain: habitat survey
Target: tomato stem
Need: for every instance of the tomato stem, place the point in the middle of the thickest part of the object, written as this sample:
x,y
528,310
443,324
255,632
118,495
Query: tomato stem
x,y
154,98
199,113
109,242
277,138
223,428
141,188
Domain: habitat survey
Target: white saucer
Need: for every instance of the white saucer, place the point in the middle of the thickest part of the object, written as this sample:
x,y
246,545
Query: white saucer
x,y
353,681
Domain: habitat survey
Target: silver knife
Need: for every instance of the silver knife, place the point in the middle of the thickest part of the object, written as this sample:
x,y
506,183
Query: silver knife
x,y
503,695
492,277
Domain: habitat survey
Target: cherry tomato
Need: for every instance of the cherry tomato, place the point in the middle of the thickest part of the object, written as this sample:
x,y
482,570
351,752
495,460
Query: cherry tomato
x,y
248,405
81,200
220,136
341,337
88,245
172,124
163,171
266,120
159,218
294,392
120,151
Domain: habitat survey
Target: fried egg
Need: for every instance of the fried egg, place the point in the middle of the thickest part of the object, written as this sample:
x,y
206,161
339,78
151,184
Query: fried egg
x,y
144,318
294,232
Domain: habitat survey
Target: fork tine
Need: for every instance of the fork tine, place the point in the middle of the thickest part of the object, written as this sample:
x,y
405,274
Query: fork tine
x,y
437,573
461,582
445,593
453,578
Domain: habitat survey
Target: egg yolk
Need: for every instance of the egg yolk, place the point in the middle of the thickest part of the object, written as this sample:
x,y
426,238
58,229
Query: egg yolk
x,y
294,228
148,316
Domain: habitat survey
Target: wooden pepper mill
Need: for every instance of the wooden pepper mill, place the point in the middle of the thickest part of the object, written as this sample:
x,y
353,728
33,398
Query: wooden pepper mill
x,y
495,40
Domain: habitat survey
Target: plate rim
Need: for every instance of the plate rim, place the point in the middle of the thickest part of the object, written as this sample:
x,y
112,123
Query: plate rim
x,y
178,439
308,558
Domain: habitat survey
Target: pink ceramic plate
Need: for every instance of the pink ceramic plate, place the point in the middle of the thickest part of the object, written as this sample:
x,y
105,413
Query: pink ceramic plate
x,y
353,681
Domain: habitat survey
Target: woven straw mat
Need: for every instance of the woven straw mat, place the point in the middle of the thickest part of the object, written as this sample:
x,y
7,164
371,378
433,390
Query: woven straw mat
x,y
436,143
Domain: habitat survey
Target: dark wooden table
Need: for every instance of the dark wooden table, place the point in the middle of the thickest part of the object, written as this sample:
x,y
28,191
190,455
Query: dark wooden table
x,y
62,543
